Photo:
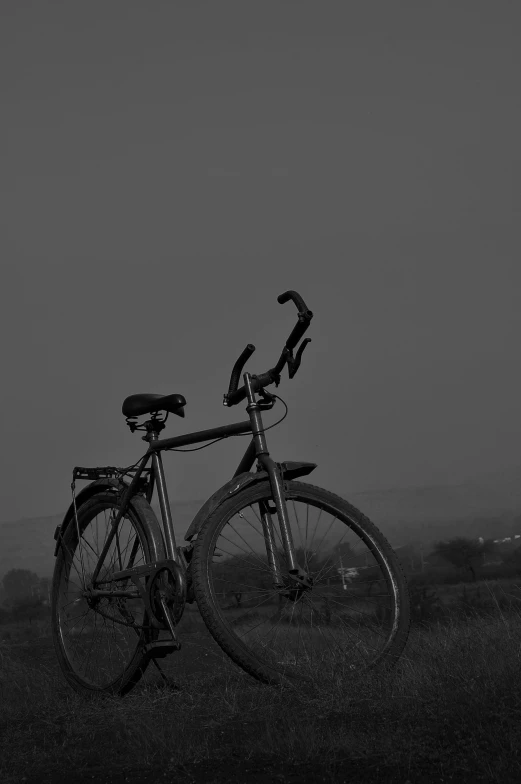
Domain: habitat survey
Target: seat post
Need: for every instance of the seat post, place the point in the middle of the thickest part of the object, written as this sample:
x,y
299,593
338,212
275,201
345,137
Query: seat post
x,y
162,493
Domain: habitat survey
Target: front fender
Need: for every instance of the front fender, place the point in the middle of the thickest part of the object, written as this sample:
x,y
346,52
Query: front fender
x,y
289,469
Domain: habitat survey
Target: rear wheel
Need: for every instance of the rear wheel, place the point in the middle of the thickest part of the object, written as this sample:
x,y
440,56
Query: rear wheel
x,y
99,640
354,617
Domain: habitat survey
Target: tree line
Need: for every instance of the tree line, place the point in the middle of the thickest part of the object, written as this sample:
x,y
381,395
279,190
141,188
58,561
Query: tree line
x,y
25,595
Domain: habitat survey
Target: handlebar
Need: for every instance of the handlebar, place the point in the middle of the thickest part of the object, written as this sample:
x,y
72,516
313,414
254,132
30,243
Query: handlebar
x,y
305,315
297,299
237,368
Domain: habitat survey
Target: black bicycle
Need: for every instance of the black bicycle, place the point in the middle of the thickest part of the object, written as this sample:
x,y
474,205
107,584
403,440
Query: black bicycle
x,y
292,581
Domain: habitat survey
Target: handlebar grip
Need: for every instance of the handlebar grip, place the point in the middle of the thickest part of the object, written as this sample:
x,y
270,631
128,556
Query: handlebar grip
x,y
237,368
232,398
297,299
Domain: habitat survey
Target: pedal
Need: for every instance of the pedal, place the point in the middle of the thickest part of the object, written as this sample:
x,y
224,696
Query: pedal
x,y
160,648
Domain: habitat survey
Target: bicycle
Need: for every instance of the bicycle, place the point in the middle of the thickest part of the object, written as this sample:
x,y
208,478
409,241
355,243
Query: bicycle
x,y
292,581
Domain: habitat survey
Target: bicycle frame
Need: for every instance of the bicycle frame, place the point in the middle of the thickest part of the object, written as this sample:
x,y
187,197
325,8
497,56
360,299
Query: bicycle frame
x,y
256,450
125,581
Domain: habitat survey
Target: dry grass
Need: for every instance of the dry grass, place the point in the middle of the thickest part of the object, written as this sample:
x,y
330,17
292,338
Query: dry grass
x,y
451,710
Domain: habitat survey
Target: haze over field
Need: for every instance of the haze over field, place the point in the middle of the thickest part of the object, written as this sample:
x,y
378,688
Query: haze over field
x,y
491,508
171,168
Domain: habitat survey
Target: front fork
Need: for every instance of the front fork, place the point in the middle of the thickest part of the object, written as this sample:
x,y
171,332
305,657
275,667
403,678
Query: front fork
x,y
297,574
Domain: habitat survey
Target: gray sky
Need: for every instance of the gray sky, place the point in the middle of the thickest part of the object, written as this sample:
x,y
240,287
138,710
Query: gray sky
x,y
169,168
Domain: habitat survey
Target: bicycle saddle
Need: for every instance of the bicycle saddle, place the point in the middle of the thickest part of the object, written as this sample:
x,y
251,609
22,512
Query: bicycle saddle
x,y
136,405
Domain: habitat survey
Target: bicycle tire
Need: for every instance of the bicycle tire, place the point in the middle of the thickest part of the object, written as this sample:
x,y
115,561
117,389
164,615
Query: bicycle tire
x,y
100,646
337,612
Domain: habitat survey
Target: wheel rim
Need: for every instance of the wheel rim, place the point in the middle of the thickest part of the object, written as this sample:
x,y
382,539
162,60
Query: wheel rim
x,y
345,623
100,638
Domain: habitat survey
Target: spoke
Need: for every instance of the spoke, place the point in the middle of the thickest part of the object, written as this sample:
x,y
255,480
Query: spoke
x,y
256,606
298,528
258,531
316,526
337,545
96,639
97,536
236,558
118,548
132,539
250,629
74,618
133,553
328,530
275,529
257,588
227,552
325,626
87,544
245,542
80,578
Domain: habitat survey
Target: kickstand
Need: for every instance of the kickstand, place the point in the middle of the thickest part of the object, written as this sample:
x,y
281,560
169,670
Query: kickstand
x,y
167,683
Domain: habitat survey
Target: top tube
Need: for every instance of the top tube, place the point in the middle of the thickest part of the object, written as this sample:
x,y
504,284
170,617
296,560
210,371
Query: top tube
x,y
201,435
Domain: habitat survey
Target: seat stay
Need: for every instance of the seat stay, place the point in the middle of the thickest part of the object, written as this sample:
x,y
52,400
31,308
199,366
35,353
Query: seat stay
x,y
127,495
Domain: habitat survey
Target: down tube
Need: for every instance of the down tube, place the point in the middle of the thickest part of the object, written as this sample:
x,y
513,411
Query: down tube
x,y
248,459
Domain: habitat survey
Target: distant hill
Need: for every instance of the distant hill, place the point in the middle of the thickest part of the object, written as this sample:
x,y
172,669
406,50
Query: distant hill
x,y
488,507
29,544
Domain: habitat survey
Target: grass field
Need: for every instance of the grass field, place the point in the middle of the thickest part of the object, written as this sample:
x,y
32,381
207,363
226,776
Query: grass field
x,y
451,711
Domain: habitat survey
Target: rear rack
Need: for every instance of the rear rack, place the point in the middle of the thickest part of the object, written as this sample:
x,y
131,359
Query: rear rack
x,y
104,472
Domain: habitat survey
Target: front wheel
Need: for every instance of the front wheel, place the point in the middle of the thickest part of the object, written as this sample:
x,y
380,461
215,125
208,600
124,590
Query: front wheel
x,y
354,616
